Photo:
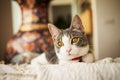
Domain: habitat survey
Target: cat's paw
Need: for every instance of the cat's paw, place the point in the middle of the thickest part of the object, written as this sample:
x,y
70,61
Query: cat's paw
x,y
88,58
105,60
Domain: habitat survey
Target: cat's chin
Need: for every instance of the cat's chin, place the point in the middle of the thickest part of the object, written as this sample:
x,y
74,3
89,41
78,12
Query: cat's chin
x,y
69,58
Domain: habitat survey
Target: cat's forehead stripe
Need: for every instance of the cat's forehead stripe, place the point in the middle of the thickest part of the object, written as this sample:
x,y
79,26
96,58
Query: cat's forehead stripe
x,y
71,34
67,33
64,33
65,39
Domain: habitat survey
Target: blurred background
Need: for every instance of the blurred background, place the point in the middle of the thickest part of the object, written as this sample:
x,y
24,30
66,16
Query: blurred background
x,y
101,20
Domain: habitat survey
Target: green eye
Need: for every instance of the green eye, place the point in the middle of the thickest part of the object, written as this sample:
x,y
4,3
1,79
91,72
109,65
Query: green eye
x,y
60,44
74,40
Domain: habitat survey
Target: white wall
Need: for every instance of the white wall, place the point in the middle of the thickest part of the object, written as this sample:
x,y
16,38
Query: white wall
x,y
5,25
16,16
106,15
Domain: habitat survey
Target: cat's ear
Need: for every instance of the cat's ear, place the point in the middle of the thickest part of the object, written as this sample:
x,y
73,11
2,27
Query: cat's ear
x,y
54,31
77,24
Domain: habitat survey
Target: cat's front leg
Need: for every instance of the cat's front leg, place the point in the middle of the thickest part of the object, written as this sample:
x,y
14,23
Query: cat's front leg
x,y
88,58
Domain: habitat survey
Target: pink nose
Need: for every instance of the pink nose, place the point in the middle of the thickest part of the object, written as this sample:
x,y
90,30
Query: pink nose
x,y
68,50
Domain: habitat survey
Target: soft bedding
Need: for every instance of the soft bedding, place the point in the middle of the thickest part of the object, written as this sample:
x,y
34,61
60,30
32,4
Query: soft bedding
x,y
69,71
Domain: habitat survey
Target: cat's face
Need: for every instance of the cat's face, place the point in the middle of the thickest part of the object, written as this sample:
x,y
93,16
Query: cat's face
x,y
70,43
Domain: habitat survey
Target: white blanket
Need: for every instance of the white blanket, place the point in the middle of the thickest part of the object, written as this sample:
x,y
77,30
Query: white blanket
x,y
80,71
69,71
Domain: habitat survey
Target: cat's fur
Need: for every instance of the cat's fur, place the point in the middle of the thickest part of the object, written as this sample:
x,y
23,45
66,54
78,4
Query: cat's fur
x,y
69,51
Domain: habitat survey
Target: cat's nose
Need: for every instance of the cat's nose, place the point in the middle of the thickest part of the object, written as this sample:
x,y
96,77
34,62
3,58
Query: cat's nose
x,y
68,50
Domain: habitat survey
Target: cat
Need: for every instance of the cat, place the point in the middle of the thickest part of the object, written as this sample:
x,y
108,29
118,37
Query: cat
x,y
70,45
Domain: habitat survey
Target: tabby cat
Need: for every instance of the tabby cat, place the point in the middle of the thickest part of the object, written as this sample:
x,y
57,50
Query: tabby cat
x,y
70,45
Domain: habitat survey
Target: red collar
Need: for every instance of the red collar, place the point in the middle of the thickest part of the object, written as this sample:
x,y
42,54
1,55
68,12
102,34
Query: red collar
x,y
77,58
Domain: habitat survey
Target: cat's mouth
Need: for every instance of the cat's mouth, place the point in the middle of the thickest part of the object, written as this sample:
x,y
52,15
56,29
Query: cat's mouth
x,y
77,58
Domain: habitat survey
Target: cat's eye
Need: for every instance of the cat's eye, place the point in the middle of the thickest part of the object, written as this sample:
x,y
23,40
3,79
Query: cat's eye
x,y
60,44
74,40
